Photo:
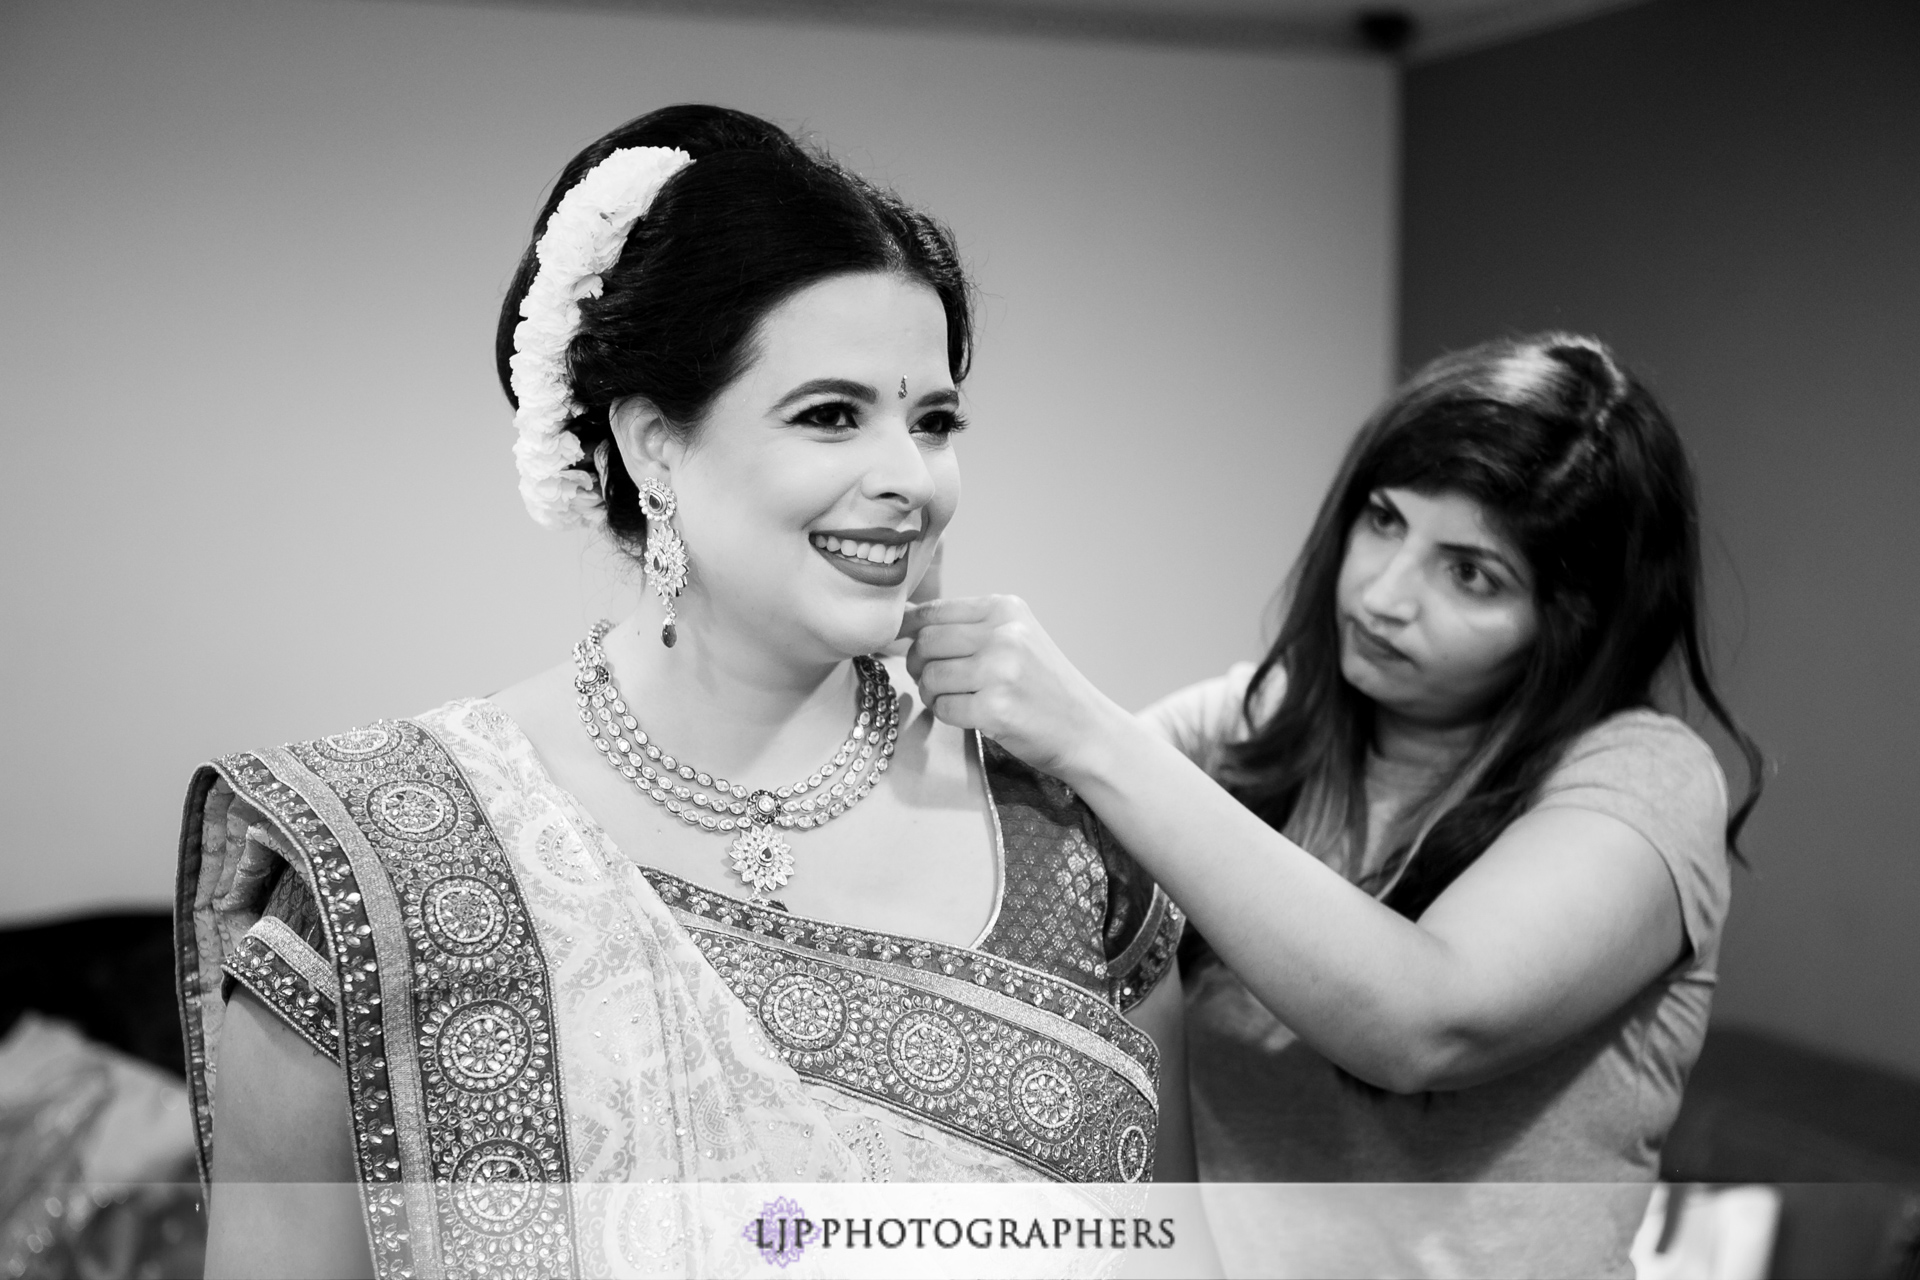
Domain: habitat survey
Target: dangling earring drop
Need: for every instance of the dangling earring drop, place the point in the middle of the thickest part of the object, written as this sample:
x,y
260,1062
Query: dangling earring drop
x,y
665,560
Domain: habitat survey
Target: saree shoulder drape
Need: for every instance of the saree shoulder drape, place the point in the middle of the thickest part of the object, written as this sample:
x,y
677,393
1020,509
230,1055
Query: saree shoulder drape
x,y
518,1007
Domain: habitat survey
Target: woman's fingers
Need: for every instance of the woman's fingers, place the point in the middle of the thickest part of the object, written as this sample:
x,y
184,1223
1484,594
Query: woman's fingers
x,y
945,629
956,709
954,640
945,676
985,663
959,609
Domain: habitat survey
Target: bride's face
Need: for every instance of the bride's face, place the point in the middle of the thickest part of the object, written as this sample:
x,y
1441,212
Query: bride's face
x,y
812,497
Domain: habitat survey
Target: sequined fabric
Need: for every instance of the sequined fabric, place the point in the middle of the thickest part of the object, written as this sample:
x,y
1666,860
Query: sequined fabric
x,y
456,1113
1005,1056
518,1006
1075,904
1055,889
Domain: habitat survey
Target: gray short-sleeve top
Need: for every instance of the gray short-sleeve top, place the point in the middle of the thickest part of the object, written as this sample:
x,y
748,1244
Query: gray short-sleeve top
x,y
1267,1108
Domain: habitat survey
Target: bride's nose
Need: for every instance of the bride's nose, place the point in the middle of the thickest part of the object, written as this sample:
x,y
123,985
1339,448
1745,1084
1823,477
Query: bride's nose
x,y
897,470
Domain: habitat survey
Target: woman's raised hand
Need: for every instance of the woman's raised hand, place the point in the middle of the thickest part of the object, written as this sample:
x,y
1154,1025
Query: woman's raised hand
x,y
985,663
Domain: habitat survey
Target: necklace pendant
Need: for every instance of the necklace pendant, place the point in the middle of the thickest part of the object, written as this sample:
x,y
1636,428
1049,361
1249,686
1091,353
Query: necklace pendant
x,y
763,859
760,854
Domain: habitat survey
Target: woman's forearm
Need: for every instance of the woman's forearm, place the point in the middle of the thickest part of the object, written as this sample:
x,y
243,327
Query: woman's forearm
x,y
1551,929
1365,986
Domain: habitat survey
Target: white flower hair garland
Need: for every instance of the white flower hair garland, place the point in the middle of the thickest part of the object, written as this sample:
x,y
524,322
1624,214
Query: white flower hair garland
x,y
582,241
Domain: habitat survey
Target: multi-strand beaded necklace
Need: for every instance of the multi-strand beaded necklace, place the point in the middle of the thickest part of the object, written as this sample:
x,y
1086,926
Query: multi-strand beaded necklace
x,y
761,856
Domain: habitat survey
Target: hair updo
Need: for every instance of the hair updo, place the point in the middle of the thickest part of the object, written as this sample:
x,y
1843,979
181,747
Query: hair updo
x,y
753,220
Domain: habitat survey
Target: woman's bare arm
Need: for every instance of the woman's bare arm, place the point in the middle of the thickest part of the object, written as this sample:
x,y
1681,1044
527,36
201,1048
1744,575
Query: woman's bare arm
x,y
285,1200
1560,922
1161,1015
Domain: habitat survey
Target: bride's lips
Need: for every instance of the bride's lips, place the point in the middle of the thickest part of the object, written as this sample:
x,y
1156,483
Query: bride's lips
x,y
877,557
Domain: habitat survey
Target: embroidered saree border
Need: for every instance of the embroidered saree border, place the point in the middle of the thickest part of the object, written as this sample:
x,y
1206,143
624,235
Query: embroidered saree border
x,y
446,1023
1021,1061
299,804
1047,993
943,1052
958,991
477,1013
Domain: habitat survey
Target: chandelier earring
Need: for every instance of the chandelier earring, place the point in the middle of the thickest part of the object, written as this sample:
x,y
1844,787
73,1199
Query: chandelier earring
x,y
665,559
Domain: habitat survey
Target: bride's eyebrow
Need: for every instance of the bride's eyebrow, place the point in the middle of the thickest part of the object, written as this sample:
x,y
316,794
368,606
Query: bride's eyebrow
x,y
835,386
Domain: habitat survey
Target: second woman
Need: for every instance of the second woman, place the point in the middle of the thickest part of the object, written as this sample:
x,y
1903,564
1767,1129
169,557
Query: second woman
x,y
1463,883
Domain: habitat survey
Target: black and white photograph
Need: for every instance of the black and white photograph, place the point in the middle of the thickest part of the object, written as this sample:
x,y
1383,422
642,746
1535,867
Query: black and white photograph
x,y
812,638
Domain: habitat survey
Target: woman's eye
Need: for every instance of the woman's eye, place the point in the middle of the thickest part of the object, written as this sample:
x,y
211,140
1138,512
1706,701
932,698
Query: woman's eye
x,y
941,423
1475,579
1382,518
834,415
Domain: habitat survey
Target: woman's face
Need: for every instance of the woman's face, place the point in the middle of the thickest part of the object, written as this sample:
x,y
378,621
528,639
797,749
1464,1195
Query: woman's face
x,y
1436,608
812,497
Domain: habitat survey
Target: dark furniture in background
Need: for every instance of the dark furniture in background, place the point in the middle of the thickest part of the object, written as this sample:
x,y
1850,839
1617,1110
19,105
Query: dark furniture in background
x,y
1841,1140
109,975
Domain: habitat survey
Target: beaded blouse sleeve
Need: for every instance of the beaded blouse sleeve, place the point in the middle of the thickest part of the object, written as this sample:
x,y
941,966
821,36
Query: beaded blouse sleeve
x,y
279,950
1142,927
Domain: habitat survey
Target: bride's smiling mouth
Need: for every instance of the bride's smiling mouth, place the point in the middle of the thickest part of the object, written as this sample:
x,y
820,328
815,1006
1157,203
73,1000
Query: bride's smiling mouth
x,y
877,557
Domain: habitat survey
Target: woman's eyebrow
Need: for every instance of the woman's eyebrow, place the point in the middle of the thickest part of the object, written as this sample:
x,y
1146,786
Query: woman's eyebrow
x,y
942,399
836,386
1480,551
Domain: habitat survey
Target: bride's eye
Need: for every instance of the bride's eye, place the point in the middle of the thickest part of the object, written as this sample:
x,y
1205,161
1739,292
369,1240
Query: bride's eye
x,y
941,423
834,415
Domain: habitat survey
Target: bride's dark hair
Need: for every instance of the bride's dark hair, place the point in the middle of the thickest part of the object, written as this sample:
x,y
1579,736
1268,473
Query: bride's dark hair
x,y
1578,465
754,219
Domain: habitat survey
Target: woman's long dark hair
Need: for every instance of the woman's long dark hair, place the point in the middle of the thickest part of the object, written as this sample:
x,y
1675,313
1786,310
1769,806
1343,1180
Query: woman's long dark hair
x,y
1579,467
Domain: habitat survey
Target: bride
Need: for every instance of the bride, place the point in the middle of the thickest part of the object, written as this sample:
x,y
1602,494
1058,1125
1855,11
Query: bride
x,y
712,901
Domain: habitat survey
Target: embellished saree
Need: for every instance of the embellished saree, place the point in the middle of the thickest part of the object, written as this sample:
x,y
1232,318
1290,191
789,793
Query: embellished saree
x,y
520,1010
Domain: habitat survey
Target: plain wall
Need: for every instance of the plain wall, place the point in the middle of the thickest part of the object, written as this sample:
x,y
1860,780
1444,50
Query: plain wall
x,y
260,481
1729,191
